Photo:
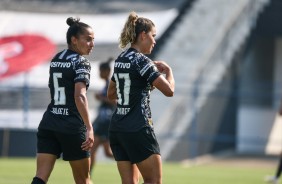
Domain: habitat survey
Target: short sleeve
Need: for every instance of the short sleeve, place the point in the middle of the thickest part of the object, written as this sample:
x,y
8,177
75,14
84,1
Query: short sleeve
x,y
82,71
147,69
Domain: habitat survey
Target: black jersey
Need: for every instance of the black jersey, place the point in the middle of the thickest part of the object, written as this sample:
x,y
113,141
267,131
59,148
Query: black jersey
x,y
133,75
66,68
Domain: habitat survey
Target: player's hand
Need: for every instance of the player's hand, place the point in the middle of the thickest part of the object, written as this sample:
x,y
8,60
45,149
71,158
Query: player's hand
x,y
162,66
87,145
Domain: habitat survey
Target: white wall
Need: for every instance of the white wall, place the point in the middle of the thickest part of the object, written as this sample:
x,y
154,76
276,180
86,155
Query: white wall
x,y
254,129
277,73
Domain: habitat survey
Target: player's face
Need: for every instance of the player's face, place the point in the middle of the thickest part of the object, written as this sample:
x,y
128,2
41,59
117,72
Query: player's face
x,y
149,41
85,42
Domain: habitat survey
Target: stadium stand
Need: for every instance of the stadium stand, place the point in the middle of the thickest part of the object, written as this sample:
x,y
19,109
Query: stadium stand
x,y
201,50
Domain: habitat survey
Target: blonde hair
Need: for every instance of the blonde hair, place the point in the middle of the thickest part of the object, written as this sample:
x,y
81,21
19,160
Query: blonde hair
x,y
133,27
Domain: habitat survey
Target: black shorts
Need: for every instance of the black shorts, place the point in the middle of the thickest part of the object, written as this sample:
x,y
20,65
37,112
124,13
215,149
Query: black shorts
x,y
134,146
69,145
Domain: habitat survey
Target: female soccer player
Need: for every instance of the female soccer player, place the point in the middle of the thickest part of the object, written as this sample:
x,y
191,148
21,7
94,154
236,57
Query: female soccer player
x,y
65,127
131,133
102,121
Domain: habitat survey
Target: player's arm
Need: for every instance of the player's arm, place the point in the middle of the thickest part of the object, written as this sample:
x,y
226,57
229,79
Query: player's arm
x,y
165,84
82,106
112,92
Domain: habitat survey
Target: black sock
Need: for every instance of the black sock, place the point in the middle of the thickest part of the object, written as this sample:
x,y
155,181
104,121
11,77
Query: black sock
x,y
37,180
279,169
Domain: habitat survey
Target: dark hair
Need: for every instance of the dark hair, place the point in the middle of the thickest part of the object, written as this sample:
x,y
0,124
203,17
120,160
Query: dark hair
x,y
133,27
106,65
76,28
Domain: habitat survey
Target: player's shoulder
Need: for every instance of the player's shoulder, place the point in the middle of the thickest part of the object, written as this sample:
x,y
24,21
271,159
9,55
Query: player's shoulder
x,y
75,57
81,65
135,57
140,59
79,60
70,56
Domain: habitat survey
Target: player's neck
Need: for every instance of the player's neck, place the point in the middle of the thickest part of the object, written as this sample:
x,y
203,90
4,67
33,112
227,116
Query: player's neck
x,y
74,49
136,47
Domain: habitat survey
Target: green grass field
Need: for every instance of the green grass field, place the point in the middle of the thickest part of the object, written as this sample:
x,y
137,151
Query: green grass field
x,y
21,171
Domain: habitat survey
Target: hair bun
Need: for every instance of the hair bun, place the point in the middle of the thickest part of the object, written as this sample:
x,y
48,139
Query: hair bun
x,y
133,17
71,21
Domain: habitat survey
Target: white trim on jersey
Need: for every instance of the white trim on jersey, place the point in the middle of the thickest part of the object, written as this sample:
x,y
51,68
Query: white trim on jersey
x,y
63,53
145,68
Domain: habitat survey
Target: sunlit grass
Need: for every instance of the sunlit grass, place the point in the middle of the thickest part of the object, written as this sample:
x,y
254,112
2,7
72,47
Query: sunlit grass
x,y
22,170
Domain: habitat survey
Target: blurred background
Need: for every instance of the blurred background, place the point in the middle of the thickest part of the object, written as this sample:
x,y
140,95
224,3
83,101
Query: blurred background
x,y
226,56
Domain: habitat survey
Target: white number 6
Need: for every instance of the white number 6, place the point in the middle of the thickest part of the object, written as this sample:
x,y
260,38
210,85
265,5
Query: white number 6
x,y
59,92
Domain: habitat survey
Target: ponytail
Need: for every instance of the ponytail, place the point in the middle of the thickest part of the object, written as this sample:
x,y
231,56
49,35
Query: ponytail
x,y
132,28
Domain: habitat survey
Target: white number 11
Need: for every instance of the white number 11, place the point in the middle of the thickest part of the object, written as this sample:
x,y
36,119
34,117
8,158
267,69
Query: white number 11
x,y
126,88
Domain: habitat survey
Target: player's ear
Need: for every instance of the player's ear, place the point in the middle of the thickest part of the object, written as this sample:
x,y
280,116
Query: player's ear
x,y
74,40
143,35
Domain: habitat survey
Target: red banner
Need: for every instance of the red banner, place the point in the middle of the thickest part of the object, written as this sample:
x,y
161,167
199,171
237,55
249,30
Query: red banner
x,y
22,52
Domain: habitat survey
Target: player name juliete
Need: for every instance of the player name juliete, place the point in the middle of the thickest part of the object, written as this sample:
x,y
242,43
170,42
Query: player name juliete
x,y
60,111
